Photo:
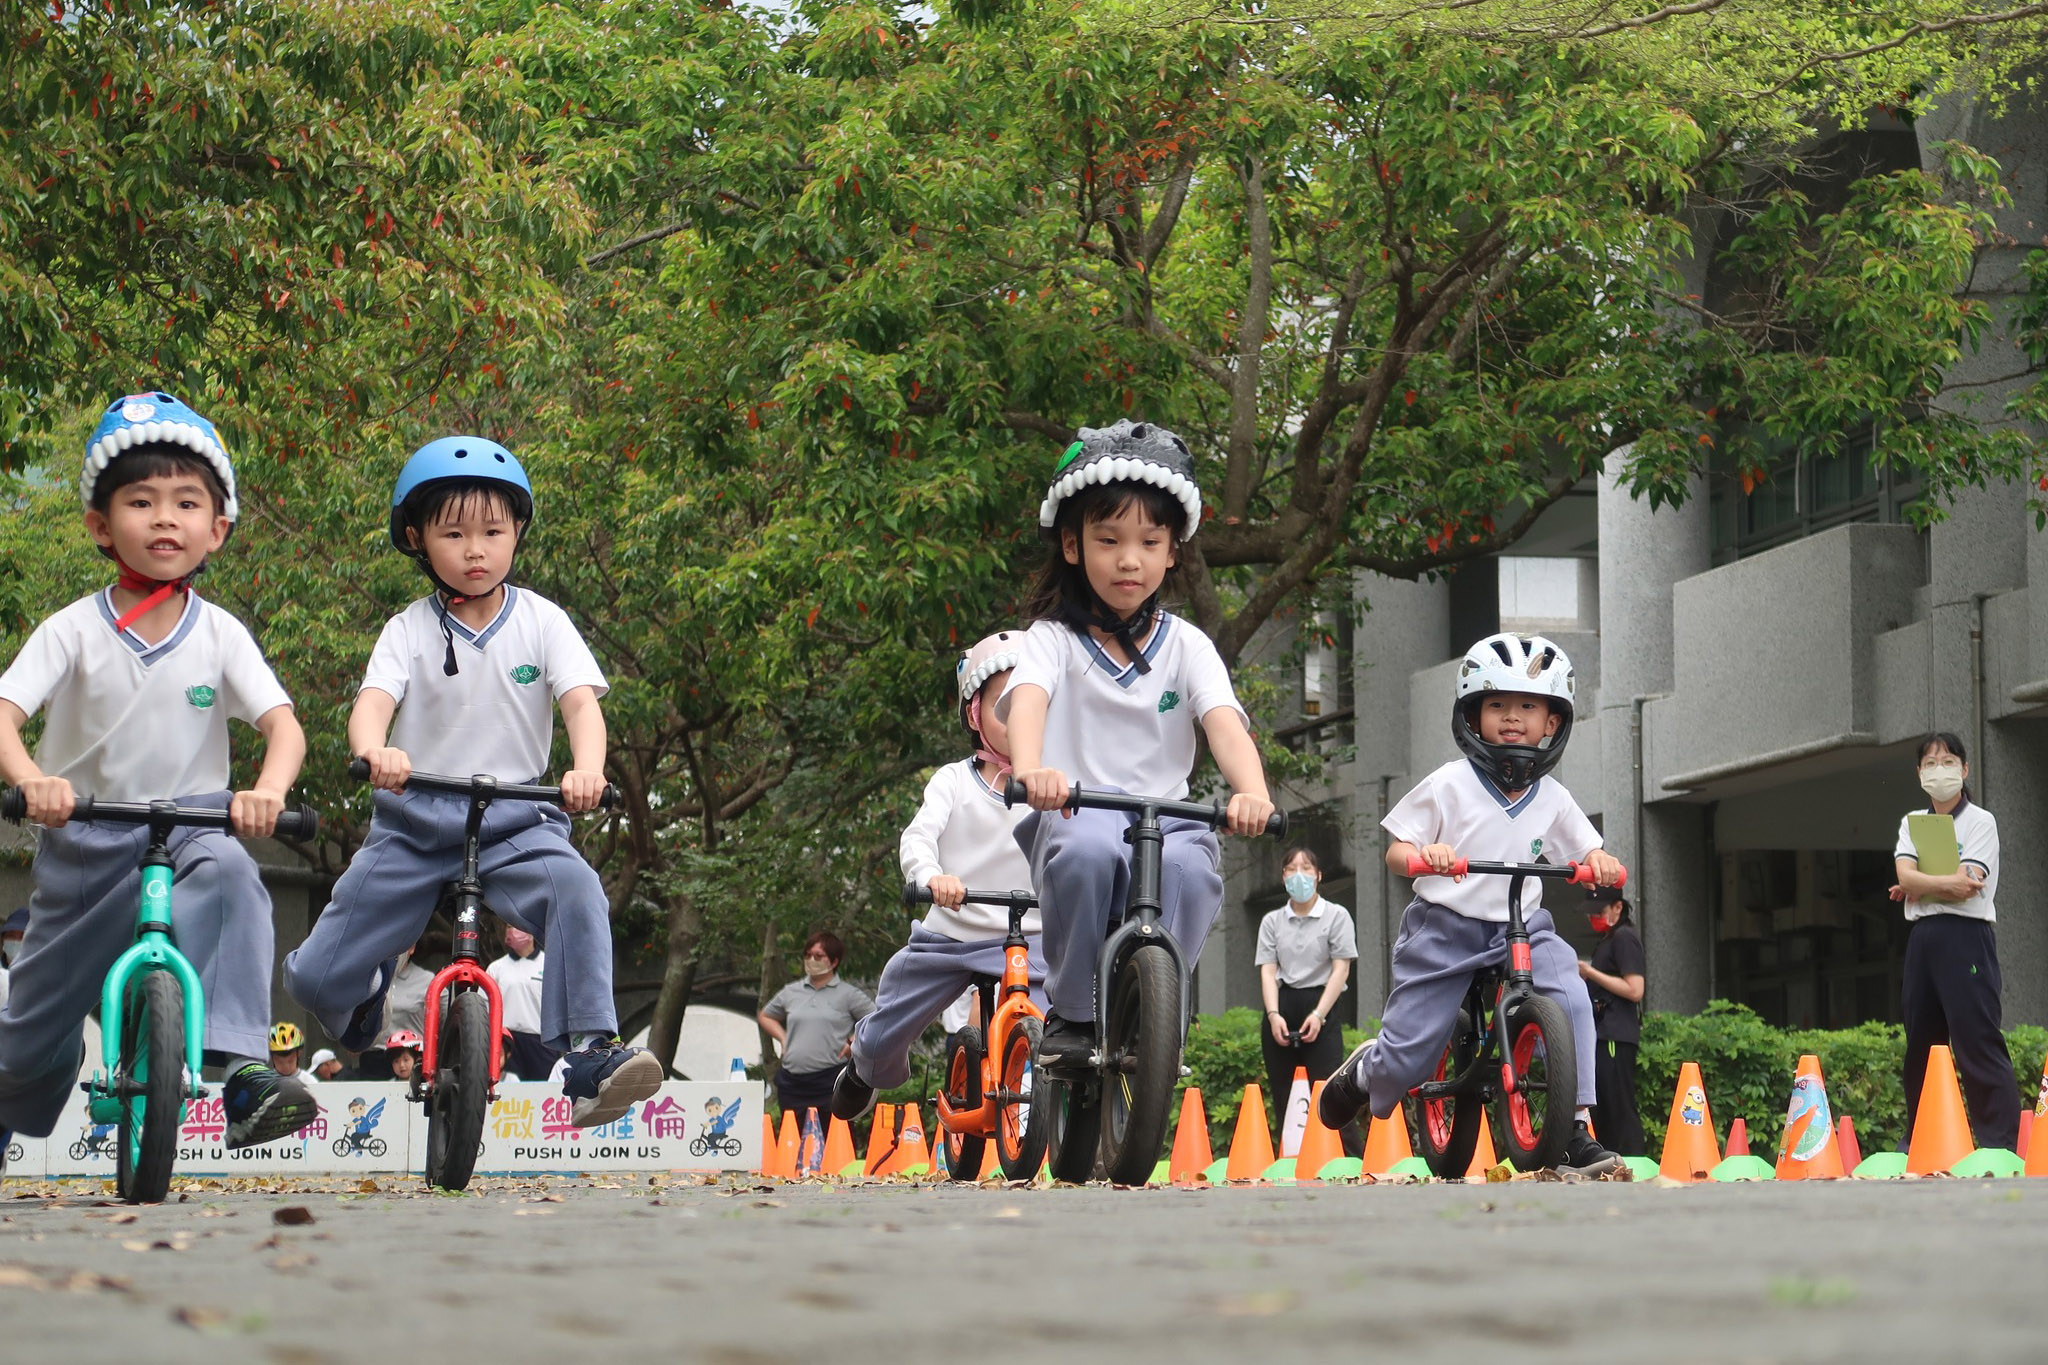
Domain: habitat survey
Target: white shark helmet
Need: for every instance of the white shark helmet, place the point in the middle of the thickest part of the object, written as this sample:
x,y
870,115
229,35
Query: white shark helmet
x,y
1513,663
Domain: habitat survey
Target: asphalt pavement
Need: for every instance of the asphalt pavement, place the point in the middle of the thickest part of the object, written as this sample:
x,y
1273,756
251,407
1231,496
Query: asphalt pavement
x,y
756,1273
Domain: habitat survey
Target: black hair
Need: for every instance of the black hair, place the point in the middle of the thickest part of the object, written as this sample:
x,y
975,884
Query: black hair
x,y
446,498
1303,851
833,945
161,460
1061,591
1944,739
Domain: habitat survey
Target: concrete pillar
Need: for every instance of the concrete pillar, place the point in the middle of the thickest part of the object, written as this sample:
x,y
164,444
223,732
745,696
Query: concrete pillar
x,y
1642,554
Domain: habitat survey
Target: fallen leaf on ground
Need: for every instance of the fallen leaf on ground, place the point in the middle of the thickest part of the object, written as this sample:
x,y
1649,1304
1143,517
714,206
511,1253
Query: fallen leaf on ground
x,y
201,1319
292,1215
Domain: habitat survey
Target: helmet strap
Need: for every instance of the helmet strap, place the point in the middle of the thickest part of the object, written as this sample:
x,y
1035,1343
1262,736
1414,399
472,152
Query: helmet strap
x,y
157,590
983,752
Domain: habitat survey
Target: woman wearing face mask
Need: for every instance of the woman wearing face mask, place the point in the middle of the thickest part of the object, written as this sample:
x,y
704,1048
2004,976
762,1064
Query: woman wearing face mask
x,y
1305,952
812,1023
1614,978
1951,989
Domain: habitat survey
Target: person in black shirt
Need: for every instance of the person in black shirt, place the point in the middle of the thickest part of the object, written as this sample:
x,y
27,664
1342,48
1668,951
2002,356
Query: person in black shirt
x,y
1614,978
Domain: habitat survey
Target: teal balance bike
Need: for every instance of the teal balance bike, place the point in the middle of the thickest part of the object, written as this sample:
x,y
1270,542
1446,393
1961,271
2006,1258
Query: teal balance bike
x,y
152,1009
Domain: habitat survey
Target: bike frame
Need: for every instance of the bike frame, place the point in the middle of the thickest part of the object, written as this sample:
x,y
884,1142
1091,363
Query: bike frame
x,y
153,950
1015,1004
465,969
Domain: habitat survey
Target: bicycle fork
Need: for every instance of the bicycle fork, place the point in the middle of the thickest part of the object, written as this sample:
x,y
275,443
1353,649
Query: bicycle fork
x,y
153,950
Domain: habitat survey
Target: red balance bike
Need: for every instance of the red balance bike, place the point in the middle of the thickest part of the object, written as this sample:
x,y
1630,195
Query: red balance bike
x,y
989,1068
463,1056
1510,1049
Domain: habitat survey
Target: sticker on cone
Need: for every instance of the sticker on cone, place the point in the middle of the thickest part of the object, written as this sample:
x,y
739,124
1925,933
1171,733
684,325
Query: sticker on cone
x,y
1808,1150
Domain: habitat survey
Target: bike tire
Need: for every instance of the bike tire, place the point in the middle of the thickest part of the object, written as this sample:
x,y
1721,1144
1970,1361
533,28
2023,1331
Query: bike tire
x,y
1071,1110
1020,1142
462,1084
152,1056
1446,1130
1534,1122
1142,1068
79,1151
376,1147
964,1151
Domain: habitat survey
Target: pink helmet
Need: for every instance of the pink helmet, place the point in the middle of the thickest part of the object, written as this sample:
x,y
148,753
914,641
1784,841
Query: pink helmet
x,y
990,656
405,1038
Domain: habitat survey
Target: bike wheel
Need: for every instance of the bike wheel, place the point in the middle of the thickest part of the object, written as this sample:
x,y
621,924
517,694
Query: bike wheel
x,y
1535,1119
1071,1112
1142,1046
462,1083
1020,1141
153,1064
964,1151
1447,1129
375,1146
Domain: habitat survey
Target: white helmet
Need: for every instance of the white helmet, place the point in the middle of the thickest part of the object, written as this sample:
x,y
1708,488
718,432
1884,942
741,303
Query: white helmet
x,y
990,656
1513,663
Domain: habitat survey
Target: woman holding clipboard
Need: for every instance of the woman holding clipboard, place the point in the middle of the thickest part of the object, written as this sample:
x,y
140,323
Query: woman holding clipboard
x,y
1947,862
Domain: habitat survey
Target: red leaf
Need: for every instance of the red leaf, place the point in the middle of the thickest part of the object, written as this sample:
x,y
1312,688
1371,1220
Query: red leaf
x,y
1409,398
812,619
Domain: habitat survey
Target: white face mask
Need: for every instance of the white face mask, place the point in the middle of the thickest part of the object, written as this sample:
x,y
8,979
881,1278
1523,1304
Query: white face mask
x,y
1942,784
1301,886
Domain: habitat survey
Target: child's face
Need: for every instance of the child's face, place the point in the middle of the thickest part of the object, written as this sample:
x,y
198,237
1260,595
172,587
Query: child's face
x,y
470,547
1516,718
162,527
994,733
402,1064
356,1109
1126,556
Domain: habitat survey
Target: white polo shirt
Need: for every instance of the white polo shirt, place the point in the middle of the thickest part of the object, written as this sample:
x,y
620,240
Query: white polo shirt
x,y
1977,841
1112,726
519,983
496,715
964,830
1458,805
126,720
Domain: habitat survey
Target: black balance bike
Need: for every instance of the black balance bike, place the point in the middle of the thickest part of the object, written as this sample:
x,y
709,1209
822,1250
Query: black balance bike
x,y
1511,1049
463,1056
1116,1104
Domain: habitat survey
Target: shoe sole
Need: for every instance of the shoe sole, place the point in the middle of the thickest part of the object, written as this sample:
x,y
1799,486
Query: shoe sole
x,y
1600,1167
281,1116
636,1079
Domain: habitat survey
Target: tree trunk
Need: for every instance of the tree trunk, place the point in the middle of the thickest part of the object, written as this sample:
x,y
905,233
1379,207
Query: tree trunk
x,y
771,981
678,974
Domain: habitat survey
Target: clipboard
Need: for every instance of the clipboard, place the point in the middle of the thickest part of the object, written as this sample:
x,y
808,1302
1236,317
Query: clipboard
x,y
1934,842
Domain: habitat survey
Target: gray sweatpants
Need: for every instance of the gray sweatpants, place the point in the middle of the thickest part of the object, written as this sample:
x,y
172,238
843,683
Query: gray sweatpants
x,y
81,916
1435,956
1082,869
926,975
533,877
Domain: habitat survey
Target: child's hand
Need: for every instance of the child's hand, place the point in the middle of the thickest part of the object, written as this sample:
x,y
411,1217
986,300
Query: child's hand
x,y
581,790
1607,869
1441,859
1248,816
50,800
950,892
255,813
1048,788
389,768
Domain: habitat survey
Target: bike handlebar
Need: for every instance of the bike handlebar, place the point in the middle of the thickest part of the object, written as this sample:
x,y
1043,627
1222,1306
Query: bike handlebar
x,y
483,785
1577,873
301,823
1214,814
913,894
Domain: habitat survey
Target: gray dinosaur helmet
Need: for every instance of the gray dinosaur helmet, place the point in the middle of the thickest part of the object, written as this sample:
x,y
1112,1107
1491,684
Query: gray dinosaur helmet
x,y
1140,452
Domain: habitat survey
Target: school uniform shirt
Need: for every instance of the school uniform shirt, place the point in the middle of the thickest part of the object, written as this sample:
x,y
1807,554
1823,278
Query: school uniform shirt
x,y
819,1020
1977,841
1459,805
1302,947
1619,953
519,980
1108,725
126,720
496,714
964,830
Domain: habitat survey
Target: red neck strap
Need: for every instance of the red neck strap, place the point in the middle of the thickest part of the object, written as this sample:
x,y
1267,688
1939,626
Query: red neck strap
x,y
158,591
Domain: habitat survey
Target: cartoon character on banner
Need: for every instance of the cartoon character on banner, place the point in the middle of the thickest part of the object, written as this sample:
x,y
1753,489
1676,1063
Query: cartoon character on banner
x,y
716,1134
359,1133
95,1140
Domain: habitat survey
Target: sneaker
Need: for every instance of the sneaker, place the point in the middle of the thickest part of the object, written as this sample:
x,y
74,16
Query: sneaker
x,y
1066,1043
1344,1093
366,1024
263,1106
851,1096
1584,1154
607,1079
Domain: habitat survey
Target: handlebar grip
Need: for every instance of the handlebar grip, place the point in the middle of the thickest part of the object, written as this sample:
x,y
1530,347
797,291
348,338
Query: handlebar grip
x,y
1013,792
1582,875
610,799
1418,868
359,769
913,894
13,806
1276,824
302,824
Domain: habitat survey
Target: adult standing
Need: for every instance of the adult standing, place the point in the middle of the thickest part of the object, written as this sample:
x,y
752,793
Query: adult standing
x,y
518,974
1304,956
1614,979
1951,989
812,1023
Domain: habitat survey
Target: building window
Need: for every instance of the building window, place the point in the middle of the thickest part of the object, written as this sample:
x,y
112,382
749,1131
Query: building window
x,y
1802,495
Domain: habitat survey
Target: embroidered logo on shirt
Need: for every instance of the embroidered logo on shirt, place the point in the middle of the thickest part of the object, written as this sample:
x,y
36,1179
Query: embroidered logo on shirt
x,y
199,695
524,674
1535,849
1168,702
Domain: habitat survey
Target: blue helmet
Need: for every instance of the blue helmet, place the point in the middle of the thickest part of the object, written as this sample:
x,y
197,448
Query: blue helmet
x,y
459,457
143,419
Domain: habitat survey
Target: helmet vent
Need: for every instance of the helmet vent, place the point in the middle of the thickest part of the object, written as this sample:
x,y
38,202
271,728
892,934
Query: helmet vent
x,y
1500,647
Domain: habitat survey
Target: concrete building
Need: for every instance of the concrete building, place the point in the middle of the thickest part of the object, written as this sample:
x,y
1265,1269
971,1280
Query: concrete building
x,y
1753,672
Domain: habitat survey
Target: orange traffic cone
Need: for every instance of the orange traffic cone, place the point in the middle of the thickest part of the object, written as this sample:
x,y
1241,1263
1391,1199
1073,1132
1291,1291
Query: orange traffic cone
x,y
881,1139
1483,1157
1808,1150
1386,1142
1738,1139
1251,1146
1941,1131
839,1153
789,1147
2037,1153
2026,1134
991,1161
1845,1138
770,1153
1191,1155
1689,1148
911,1151
1319,1145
